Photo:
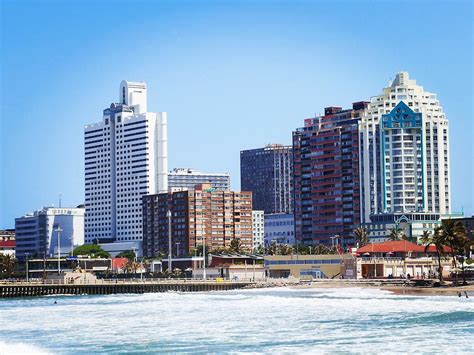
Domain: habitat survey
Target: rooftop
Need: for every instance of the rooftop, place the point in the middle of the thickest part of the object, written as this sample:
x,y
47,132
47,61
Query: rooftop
x,y
397,246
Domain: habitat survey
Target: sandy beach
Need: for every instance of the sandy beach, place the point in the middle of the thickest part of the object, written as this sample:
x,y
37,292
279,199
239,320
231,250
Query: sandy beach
x,y
398,290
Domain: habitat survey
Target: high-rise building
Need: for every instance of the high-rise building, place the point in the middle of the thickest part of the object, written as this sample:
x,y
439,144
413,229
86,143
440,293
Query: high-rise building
x,y
203,215
125,159
258,229
37,233
187,178
326,175
268,174
404,155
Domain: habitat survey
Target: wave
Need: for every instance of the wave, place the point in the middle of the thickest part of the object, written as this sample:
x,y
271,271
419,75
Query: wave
x,y
20,348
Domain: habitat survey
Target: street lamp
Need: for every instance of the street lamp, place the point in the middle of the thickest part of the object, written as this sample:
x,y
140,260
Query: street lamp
x,y
72,245
59,230
177,248
27,278
204,256
170,258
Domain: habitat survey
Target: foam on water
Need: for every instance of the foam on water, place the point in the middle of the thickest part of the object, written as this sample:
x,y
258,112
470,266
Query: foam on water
x,y
259,320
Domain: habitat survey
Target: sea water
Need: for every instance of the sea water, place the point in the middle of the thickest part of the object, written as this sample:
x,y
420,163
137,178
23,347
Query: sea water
x,y
349,320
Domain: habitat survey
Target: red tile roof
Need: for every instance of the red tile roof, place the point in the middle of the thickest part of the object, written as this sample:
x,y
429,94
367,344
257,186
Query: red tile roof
x,y
7,244
398,246
119,263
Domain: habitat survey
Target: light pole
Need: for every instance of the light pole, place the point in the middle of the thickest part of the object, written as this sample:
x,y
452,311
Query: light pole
x,y
170,258
204,256
72,245
59,230
27,273
177,248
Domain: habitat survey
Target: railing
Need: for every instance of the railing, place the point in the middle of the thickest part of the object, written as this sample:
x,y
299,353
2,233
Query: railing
x,y
382,259
126,281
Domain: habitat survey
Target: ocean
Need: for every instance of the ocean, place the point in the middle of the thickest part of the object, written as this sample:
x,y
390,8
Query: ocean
x,y
276,320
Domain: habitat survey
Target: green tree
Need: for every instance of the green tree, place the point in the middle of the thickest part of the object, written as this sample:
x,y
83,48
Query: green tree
x,y
221,250
360,237
397,233
284,249
302,249
272,249
439,241
131,266
259,250
92,250
321,249
7,265
129,254
236,246
455,235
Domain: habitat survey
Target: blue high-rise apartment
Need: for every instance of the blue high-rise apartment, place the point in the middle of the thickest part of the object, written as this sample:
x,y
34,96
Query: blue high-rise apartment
x,y
268,173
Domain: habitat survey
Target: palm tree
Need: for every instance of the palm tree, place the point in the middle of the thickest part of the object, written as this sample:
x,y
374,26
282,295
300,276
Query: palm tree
x,y
438,240
321,249
7,265
454,233
360,236
397,233
284,249
272,249
236,245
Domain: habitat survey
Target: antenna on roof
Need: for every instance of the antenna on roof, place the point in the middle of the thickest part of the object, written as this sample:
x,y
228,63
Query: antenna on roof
x,y
60,195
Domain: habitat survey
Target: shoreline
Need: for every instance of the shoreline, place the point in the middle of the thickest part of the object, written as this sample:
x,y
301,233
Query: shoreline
x,y
398,290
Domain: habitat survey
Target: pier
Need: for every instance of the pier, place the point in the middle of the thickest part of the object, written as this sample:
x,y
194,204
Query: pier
x,y
23,289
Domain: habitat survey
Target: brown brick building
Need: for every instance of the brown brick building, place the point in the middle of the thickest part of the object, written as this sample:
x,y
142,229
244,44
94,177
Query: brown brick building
x,y
198,215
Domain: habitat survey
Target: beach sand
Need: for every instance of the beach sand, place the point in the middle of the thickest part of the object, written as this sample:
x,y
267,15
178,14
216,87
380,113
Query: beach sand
x,y
399,290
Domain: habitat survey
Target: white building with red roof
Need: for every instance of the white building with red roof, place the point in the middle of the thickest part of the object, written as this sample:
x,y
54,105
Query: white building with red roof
x,y
400,258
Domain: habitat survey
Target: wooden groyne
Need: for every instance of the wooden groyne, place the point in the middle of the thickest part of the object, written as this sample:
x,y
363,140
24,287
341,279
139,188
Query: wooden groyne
x,y
28,290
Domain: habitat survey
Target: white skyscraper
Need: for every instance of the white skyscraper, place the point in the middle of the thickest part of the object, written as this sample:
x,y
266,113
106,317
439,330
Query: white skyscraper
x,y
125,158
258,229
404,156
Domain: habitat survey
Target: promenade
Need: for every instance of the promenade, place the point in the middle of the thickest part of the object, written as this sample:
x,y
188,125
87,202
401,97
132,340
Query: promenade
x,y
108,287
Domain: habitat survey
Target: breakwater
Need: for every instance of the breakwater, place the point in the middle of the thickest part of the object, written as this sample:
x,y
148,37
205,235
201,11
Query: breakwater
x,y
27,290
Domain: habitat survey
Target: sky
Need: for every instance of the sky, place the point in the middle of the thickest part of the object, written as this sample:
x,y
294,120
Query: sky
x,y
232,75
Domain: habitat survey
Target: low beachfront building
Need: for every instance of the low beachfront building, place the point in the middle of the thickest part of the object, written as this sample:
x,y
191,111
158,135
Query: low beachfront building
x,y
310,266
237,267
399,258
7,247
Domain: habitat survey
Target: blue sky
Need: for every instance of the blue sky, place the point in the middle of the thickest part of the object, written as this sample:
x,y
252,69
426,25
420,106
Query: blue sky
x,y
231,75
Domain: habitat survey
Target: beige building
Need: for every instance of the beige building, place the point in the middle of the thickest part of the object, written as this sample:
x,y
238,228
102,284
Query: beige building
x,y
310,266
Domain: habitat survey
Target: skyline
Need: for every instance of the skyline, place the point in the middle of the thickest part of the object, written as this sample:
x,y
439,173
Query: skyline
x,y
203,84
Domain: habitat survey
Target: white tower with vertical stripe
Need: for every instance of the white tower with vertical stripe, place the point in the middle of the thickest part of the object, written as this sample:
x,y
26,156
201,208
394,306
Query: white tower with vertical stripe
x,y
125,158
404,152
